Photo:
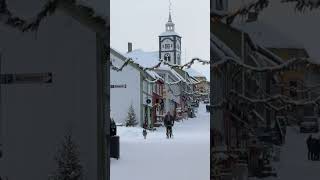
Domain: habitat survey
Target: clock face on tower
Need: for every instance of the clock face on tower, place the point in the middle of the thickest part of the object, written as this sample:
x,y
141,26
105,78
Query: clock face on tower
x,y
170,49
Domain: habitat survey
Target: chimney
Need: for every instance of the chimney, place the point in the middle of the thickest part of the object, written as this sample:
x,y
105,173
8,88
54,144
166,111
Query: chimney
x,y
129,47
252,16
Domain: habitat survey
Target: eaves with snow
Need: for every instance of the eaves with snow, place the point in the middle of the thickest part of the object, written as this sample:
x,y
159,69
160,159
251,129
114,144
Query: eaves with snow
x,y
91,13
169,33
267,36
149,59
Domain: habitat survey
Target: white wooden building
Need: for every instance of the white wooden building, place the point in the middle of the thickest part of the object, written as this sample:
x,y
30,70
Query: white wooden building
x,y
129,87
54,85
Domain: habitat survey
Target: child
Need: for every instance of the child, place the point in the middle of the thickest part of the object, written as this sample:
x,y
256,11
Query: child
x,y
144,133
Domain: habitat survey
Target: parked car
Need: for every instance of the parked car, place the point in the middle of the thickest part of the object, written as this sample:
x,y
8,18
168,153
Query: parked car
x,y
206,101
309,125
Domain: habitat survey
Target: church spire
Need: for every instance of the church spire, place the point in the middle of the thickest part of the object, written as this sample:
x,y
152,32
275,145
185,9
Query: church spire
x,y
169,24
170,20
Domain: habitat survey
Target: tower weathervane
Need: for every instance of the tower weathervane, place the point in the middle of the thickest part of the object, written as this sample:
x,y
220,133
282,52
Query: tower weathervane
x,y
170,6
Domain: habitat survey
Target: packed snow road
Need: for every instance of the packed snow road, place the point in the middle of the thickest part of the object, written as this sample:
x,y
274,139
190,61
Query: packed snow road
x,y
185,157
294,163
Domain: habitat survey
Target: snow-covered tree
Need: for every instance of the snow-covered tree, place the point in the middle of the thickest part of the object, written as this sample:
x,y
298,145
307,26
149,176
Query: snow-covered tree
x,y
68,162
131,118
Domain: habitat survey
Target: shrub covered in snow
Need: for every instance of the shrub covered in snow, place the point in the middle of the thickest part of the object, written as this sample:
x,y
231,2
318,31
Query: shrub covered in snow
x,y
131,120
67,159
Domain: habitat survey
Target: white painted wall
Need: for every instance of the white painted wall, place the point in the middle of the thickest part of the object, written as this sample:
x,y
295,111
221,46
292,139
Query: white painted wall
x,y
36,117
121,98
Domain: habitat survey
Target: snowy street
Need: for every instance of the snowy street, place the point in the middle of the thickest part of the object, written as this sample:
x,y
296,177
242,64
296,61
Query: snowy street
x,y
294,164
185,157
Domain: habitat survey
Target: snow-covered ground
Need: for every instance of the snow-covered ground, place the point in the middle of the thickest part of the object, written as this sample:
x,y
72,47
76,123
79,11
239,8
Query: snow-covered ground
x,y
294,164
185,157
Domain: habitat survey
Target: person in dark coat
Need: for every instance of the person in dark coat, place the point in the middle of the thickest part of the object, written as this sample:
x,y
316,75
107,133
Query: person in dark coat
x,y
313,149
168,122
309,146
317,149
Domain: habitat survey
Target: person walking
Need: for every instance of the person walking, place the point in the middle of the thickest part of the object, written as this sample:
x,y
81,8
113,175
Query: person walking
x,y
168,123
313,149
317,149
309,146
144,133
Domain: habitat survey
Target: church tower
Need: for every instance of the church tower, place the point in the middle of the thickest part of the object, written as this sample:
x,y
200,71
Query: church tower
x,y
170,44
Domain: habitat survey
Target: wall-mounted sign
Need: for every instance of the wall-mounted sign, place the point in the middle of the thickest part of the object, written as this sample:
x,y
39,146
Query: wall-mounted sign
x,y
26,78
119,86
148,101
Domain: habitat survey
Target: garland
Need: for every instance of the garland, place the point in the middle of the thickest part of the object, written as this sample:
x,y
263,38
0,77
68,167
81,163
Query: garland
x,y
301,5
161,61
259,5
48,9
293,63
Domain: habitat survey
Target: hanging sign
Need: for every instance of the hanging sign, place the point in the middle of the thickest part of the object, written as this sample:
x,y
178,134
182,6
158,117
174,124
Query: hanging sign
x,y
118,86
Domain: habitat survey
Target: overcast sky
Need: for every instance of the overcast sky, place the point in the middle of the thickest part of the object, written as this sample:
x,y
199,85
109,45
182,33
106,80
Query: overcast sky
x,y
142,21
302,27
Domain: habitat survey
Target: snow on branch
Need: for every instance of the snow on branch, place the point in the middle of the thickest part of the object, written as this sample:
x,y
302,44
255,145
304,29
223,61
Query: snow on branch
x,y
301,5
161,61
259,5
281,98
284,66
50,7
256,5
285,101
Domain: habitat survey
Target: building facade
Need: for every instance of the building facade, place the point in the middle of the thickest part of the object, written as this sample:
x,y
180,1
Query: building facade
x,y
53,95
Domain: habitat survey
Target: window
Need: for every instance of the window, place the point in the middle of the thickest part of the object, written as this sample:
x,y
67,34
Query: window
x,y
219,5
167,57
154,87
145,86
293,92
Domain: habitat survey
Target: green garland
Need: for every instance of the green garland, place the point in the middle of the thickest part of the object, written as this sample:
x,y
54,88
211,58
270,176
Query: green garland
x,y
259,5
48,9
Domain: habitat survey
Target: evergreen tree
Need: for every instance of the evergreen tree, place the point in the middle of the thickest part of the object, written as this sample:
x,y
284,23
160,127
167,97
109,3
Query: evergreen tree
x,y
131,118
69,166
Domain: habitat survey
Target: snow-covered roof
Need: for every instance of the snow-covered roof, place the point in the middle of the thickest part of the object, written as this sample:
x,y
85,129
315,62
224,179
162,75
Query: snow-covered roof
x,y
169,33
149,59
267,36
145,59
154,75
220,47
192,72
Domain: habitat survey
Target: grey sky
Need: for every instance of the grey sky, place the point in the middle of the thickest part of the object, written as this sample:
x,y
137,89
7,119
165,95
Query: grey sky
x,y
302,27
142,21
